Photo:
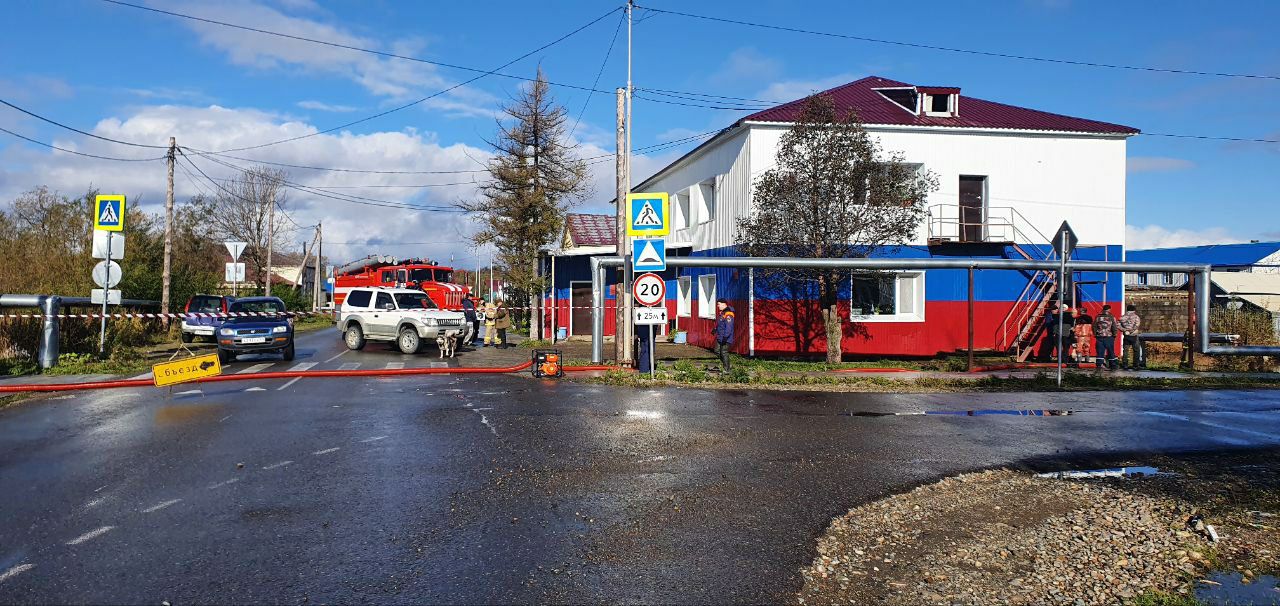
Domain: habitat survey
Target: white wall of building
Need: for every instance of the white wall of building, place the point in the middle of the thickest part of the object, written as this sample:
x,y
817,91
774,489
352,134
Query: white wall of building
x,y
1046,178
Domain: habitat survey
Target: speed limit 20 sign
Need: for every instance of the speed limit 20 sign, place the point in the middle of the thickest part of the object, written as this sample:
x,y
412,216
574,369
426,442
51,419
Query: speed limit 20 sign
x,y
649,289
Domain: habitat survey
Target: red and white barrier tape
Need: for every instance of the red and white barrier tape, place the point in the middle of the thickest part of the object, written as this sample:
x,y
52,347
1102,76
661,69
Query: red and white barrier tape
x,y
245,314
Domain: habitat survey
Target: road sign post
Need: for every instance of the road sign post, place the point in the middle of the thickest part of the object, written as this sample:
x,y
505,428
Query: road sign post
x,y
235,248
108,217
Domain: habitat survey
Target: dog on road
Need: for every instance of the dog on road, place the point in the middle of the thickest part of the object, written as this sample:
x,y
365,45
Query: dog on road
x,y
448,344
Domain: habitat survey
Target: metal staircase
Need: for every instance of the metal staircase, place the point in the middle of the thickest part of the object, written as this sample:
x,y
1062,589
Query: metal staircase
x,y
1024,324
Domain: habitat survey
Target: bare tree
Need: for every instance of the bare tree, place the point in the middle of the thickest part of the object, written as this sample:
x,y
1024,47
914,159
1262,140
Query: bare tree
x,y
534,177
241,210
833,194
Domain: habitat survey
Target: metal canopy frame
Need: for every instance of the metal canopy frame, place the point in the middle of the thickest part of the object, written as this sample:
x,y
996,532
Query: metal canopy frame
x,y
1200,275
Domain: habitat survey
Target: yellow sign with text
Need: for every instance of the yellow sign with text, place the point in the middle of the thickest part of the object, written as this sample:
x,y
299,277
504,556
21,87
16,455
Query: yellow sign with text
x,y
186,369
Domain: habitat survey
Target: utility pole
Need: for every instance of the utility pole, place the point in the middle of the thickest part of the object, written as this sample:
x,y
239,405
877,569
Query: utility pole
x,y
168,235
628,356
321,278
271,236
619,333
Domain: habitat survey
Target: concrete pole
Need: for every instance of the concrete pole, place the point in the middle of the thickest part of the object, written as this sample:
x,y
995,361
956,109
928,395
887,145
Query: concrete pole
x,y
619,332
321,279
165,280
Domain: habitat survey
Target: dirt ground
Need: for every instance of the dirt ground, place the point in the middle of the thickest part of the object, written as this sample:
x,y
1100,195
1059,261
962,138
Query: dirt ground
x,y
1010,537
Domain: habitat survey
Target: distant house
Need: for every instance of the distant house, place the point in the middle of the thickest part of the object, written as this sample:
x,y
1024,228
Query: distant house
x,y
1254,257
1245,277
1008,177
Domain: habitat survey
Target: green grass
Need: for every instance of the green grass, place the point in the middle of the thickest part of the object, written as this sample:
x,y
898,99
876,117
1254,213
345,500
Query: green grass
x,y
1159,598
310,323
122,362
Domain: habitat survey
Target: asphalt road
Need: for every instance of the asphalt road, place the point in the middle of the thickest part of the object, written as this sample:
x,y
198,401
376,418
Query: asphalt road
x,y
503,488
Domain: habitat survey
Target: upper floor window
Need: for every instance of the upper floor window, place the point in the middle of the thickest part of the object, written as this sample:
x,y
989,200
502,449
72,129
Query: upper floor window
x,y
940,104
706,201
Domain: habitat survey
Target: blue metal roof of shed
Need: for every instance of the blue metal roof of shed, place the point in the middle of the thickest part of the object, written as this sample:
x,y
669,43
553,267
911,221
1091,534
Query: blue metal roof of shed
x,y
1214,254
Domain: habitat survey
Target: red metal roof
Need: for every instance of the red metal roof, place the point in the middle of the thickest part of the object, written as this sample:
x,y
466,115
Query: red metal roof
x,y
874,108
592,230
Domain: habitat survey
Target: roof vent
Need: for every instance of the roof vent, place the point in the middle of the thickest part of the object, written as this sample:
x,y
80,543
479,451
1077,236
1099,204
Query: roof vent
x,y
904,97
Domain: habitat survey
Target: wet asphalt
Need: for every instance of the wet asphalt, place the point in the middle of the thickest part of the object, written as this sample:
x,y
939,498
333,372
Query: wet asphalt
x,y
498,489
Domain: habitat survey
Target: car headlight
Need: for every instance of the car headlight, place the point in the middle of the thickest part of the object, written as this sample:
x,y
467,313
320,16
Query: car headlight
x,y
280,329
429,322
226,332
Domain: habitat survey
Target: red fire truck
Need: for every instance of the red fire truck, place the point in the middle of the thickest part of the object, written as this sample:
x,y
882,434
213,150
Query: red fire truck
x,y
382,270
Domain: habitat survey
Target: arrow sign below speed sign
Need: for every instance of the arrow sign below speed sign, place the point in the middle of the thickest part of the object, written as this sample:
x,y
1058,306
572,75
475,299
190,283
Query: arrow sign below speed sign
x,y
649,289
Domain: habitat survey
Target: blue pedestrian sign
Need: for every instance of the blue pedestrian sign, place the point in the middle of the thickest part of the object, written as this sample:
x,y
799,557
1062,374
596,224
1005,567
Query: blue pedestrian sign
x,y
108,213
649,255
648,214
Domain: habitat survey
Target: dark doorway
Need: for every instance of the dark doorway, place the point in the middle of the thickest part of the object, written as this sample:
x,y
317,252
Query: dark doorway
x,y
973,204
580,301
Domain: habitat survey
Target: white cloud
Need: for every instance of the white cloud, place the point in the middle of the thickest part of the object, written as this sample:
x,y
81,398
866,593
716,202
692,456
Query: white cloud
x,y
214,127
790,90
1151,164
746,64
325,107
1155,236
396,79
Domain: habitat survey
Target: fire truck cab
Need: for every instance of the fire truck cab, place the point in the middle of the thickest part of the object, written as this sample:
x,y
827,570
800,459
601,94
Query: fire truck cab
x,y
419,274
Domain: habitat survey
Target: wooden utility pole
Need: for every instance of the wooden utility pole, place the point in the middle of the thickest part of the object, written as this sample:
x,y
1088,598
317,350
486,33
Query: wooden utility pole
x,y
168,235
619,331
271,237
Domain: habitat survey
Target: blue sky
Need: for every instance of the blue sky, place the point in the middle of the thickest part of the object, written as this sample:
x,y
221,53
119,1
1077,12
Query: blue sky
x,y
140,76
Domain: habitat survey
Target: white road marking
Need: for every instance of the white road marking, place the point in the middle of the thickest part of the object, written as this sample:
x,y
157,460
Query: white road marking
x,y
349,366
256,389
224,483
1167,415
224,418
15,571
188,393
375,439
301,366
439,365
95,502
255,368
92,534
395,365
159,506
1267,436
326,451
145,375
99,489
344,352
275,465
291,382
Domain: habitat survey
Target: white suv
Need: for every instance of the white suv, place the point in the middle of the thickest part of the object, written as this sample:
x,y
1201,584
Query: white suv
x,y
408,317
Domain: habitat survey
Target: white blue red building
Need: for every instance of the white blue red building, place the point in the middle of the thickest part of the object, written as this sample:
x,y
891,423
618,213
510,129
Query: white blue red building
x,y
1009,176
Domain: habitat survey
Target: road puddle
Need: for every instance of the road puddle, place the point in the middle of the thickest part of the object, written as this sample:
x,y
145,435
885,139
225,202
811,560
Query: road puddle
x,y
1140,471
179,414
1234,588
1035,412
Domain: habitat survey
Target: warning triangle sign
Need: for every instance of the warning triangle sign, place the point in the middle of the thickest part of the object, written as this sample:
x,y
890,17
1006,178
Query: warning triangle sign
x,y
647,217
648,255
108,216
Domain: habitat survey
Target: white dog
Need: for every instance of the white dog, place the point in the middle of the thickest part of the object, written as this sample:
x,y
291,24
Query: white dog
x,y
448,343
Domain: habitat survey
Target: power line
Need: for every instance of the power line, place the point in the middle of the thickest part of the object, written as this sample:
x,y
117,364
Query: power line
x,y
481,73
76,130
72,151
1210,138
737,108
966,51
621,20
337,170
349,198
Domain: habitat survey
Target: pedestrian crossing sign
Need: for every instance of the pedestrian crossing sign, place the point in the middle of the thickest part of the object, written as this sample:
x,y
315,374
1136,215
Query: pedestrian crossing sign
x,y
648,214
108,212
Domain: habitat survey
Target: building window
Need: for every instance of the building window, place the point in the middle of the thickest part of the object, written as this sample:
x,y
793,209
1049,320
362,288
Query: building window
x,y
707,296
1142,279
1168,279
680,208
887,297
684,296
942,105
706,201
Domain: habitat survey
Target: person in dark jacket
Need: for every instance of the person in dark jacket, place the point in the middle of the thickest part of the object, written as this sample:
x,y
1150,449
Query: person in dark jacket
x,y
469,310
1104,333
1133,349
1050,342
724,332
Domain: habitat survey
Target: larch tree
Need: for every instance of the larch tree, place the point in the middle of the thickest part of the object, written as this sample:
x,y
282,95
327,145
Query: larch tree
x,y
834,193
535,176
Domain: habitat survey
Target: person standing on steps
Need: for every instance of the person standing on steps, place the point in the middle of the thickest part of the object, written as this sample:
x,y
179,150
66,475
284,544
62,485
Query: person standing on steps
x,y
724,332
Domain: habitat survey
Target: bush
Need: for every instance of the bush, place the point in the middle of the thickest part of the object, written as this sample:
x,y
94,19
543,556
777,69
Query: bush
x,y
1253,327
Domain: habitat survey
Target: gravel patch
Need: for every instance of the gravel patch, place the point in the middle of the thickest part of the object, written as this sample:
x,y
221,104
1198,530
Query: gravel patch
x,y
1005,537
